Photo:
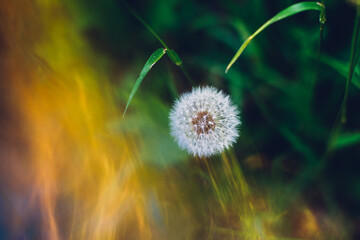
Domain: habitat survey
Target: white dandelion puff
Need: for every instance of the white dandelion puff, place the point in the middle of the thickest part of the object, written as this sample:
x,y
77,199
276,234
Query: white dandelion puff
x,y
204,121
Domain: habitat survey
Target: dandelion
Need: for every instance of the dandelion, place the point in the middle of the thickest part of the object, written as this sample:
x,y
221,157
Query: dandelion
x,y
204,121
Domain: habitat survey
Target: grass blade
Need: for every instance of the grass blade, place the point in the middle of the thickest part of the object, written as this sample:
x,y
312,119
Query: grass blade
x,y
174,57
347,140
148,65
290,11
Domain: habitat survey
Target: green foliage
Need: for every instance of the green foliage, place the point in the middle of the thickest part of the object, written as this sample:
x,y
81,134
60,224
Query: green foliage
x,y
342,68
289,87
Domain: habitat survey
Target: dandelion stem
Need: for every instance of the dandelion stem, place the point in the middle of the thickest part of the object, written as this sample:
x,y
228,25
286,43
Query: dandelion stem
x,y
213,181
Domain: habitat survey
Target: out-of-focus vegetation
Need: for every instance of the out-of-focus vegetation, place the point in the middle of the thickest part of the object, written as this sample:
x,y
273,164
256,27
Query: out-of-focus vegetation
x,y
294,171
289,83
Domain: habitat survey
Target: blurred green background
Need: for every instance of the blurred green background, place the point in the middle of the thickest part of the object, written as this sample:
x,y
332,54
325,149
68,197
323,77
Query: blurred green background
x,y
289,96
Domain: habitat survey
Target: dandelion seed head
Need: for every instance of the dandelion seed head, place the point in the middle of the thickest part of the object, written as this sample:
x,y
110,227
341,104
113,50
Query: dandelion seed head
x,y
204,121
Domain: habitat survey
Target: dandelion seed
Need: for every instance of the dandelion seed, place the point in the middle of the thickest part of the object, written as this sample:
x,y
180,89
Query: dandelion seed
x,y
204,122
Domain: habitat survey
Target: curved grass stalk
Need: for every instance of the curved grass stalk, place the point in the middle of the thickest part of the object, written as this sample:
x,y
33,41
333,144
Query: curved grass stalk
x,y
290,11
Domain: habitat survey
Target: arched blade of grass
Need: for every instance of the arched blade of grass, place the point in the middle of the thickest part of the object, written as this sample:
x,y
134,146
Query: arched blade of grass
x,y
290,11
148,65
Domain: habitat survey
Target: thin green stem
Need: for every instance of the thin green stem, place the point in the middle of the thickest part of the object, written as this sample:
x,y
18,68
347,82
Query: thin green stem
x,y
322,20
134,13
187,75
341,116
321,34
170,53
351,65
